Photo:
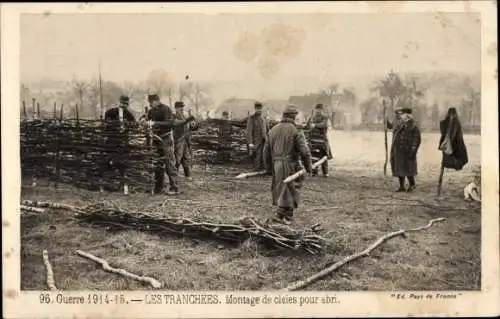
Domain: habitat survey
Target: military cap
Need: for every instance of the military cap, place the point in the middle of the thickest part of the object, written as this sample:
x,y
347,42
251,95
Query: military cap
x,y
153,97
319,106
258,105
290,110
179,104
124,99
406,110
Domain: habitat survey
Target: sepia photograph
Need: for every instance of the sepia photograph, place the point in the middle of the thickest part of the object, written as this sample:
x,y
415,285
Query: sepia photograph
x,y
250,151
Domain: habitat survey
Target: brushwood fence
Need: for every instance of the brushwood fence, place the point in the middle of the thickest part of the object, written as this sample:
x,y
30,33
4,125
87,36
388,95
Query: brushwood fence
x,y
89,153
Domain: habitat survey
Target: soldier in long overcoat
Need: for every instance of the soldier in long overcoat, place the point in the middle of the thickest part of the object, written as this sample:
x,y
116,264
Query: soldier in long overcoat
x,y
257,130
406,140
283,150
182,139
320,146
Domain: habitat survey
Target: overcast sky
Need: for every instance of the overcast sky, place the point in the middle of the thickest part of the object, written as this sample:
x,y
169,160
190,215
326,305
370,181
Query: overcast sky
x,y
266,52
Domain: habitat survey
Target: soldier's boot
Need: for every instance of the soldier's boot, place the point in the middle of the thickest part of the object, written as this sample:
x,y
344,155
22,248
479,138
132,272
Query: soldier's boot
x,y
284,215
187,172
315,172
324,169
412,186
401,185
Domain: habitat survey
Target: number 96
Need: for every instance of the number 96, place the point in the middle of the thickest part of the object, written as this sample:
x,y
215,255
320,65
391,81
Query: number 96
x,y
44,298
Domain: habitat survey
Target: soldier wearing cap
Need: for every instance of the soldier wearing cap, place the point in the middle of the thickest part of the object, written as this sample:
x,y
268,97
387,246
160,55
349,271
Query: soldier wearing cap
x,y
318,128
283,150
257,130
161,113
182,139
116,120
406,140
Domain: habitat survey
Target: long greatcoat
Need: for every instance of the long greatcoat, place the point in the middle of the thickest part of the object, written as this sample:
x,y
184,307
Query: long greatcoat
x,y
283,149
406,139
459,157
257,129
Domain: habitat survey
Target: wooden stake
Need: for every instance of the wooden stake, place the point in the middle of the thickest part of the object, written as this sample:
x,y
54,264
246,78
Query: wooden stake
x,y
440,181
303,171
33,106
55,110
364,253
50,274
77,114
251,174
38,110
57,158
105,265
385,137
61,114
24,110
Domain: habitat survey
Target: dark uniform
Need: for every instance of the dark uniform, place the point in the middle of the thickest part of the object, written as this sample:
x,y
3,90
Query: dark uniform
x,y
115,132
282,152
405,144
318,135
160,112
257,129
182,139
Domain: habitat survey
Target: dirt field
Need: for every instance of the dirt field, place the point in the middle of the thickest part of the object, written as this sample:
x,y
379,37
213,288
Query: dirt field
x,y
355,205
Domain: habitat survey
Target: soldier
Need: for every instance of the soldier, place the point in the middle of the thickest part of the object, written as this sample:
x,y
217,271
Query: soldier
x,y
160,112
318,126
116,136
405,144
182,139
257,130
282,151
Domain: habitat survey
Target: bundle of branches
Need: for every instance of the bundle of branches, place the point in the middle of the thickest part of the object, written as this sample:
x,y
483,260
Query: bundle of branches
x,y
87,153
269,235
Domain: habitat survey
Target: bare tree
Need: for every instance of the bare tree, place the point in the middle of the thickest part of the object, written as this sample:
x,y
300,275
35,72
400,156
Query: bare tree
x,y
79,88
198,95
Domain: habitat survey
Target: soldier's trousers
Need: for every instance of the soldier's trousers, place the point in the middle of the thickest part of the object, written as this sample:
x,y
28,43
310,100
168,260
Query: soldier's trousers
x,y
324,167
258,160
165,162
183,157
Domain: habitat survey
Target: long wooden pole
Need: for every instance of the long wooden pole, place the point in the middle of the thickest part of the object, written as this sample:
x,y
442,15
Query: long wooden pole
x,y
33,103
303,283
385,136
100,91
440,181
24,111
303,171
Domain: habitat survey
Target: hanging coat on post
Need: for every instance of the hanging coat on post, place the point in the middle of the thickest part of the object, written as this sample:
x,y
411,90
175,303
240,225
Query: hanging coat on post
x,y
283,149
458,157
405,144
